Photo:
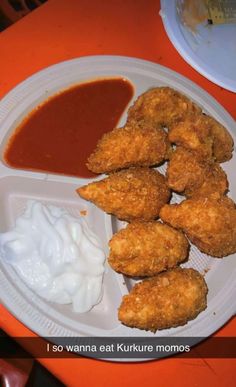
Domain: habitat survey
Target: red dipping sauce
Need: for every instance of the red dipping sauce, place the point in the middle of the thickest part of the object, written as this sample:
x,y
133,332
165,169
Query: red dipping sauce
x,y
59,135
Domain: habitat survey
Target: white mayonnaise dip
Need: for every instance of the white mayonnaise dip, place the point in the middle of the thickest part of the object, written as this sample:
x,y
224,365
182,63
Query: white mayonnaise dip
x,y
56,255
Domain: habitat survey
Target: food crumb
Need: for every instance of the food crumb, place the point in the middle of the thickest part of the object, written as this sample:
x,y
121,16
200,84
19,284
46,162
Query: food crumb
x,y
205,271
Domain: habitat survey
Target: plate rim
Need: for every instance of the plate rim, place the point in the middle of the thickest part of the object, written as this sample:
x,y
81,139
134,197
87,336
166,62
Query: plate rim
x,y
175,35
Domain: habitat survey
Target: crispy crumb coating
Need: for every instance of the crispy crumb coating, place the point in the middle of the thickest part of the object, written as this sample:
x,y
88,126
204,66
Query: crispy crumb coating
x,y
162,106
209,223
135,193
189,175
223,143
204,135
168,300
147,248
136,144
193,134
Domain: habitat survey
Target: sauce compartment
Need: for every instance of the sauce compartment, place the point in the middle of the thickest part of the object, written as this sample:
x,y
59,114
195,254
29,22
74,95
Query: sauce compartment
x,y
52,135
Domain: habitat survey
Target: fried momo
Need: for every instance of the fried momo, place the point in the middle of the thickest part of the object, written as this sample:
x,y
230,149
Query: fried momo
x,y
209,223
194,135
136,144
135,193
168,300
162,106
223,142
204,135
189,175
147,248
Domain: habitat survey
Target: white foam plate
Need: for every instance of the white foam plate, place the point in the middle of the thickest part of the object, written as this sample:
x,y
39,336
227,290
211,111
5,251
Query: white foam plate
x,y
211,50
17,186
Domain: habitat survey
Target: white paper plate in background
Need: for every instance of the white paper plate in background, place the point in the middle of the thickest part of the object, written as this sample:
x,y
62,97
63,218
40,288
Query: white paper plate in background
x,y
211,50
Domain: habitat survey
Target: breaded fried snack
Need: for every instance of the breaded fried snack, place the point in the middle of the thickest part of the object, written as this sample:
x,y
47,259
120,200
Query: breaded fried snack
x,y
147,248
168,300
193,134
205,135
136,144
223,142
189,175
135,193
209,223
162,106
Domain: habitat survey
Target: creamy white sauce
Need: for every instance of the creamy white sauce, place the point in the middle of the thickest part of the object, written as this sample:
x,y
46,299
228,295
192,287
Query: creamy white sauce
x,y
56,255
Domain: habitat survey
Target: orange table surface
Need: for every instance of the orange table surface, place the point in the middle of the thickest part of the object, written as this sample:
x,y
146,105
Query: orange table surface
x,y
66,29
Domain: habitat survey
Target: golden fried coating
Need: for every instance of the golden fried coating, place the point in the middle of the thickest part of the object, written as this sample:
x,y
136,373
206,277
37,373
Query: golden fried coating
x,y
209,223
162,106
223,142
204,135
135,193
189,175
193,134
136,144
147,248
168,300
